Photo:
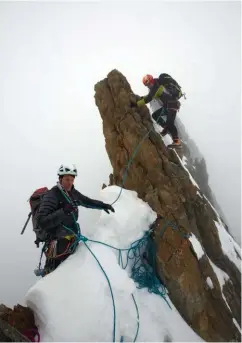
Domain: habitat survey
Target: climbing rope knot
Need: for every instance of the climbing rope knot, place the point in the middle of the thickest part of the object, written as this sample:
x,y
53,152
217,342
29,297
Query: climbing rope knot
x,y
81,238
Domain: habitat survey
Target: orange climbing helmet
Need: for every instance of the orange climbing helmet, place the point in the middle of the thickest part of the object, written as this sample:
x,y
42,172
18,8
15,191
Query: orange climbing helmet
x,y
148,80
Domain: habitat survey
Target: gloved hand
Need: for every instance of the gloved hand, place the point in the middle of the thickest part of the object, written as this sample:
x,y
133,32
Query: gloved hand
x,y
76,203
69,208
107,207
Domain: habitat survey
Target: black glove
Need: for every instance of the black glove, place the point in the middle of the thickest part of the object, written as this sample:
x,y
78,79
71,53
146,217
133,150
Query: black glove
x,y
69,208
107,207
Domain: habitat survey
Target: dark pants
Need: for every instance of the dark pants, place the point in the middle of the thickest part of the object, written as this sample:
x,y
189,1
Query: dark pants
x,y
61,254
170,110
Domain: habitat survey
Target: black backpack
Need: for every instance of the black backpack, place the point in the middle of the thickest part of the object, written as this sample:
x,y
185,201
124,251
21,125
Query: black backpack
x,y
171,85
34,202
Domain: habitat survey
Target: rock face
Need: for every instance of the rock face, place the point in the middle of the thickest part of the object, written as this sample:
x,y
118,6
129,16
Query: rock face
x,y
15,323
196,164
159,177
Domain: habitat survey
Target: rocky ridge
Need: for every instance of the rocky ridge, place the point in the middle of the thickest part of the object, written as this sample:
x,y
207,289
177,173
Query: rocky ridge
x,y
161,179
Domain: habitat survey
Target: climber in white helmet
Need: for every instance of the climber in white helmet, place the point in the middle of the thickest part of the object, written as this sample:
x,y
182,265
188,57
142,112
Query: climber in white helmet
x,y
57,213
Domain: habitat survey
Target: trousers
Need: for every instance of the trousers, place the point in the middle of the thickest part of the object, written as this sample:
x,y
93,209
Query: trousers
x,y
170,110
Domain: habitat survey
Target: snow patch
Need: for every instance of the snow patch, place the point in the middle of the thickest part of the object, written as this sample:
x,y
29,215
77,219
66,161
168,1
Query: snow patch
x,y
197,246
74,302
184,160
237,325
226,302
229,246
221,275
209,282
212,207
190,176
222,278
199,194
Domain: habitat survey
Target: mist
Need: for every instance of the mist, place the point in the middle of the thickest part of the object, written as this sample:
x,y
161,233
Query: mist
x,y
51,56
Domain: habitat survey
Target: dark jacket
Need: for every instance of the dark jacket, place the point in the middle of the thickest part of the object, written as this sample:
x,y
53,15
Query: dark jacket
x,y
161,89
51,216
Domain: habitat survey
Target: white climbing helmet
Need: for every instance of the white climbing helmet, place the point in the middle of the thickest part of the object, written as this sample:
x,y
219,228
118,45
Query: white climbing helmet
x,y
67,169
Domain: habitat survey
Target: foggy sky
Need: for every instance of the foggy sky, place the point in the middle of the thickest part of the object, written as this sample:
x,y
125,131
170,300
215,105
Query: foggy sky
x,y
51,56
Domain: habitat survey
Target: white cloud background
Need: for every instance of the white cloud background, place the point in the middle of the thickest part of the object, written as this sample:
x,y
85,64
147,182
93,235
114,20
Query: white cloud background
x,y
51,55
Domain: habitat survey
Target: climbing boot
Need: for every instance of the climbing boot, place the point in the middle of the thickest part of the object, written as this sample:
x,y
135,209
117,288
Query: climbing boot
x,y
175,144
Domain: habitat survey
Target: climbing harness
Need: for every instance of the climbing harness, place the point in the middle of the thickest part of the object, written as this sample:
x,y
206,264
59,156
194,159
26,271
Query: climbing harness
x,y
51,249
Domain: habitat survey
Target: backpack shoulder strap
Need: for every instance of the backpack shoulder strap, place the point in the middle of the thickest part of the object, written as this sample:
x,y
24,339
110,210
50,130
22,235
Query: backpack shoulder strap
x,y
58,194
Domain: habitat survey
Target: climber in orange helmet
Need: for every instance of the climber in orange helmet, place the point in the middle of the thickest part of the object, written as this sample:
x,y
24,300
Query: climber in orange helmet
x,y
166,89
